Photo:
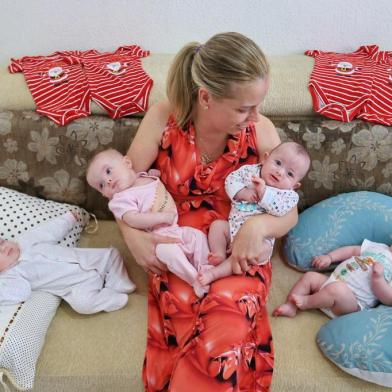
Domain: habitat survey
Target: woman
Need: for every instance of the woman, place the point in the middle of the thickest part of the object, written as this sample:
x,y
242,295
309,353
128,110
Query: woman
x,y
209,127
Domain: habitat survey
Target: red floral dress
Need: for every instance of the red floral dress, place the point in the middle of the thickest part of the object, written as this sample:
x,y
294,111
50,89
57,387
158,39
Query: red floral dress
x,y
223,341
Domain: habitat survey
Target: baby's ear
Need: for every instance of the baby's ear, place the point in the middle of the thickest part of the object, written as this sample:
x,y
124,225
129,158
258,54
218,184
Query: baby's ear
x,y
297,185
264,157
128,162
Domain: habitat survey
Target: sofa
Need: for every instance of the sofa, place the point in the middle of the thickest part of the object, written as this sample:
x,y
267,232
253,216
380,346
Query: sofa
x,y
104,352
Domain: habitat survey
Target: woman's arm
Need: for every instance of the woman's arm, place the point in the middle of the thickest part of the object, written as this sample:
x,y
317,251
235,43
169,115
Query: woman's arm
x,y
144,147
249,246
143,152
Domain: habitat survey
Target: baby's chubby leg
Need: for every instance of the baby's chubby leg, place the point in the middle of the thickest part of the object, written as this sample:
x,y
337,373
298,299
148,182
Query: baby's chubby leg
x,y
218,240
109,264
336,296
309,283
208,275
90,297
117,277
174,257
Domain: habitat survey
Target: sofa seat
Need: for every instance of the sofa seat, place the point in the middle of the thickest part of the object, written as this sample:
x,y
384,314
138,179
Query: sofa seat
x,y
104,352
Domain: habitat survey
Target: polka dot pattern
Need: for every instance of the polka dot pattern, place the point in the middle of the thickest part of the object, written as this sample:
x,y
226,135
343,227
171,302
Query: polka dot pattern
x,y
20,212
23,339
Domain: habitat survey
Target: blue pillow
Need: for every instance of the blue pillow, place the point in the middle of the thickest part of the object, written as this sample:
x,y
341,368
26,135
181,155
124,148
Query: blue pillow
x,y
346,219
360,343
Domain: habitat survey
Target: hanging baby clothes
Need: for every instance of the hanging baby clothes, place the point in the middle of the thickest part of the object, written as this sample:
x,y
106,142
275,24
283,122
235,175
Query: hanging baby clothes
x,y
63,84
345,86
58,85
118,81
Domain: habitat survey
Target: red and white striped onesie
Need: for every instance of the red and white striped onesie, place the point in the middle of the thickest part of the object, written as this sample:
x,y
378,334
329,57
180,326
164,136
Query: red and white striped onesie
x,y
117,80
349,85
379,107
58,85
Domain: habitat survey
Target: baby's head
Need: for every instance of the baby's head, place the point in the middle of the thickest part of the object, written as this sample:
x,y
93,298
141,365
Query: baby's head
x,y
110,172
9,254
285,166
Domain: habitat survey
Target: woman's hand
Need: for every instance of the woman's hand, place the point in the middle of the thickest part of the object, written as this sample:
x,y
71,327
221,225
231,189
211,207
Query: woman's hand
x,y
142,246
249,247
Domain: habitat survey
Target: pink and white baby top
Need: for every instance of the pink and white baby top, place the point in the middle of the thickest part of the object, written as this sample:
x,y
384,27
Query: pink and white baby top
x,y
185,258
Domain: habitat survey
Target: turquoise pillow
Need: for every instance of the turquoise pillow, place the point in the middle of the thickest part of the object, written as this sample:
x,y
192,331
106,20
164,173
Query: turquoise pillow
x,y
360,343
346,219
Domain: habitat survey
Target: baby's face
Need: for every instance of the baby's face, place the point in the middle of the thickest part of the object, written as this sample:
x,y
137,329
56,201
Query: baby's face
x,y
110,172
284,168
9,254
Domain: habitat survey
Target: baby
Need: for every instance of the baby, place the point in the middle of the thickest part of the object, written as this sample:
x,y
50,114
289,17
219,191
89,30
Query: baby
x,y
142,201
361,281
90,280
255,189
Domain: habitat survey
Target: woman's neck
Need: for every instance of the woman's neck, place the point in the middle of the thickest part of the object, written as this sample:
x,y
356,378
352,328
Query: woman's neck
x,y
210,141
206,131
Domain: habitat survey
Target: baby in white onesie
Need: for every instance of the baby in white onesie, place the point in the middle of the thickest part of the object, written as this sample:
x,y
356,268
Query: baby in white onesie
x,y
266,187
90,280
361,280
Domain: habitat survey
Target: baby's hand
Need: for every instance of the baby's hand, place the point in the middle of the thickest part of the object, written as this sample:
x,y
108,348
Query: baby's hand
x,y
247,194
154,172
259,185
378,270
321,261
76,215
168,217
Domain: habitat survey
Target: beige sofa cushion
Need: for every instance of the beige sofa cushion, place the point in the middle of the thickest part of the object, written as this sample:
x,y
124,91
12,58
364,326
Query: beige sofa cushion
x,y
288,95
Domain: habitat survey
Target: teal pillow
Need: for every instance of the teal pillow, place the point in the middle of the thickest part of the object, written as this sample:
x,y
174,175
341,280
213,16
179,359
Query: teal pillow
x,y
346,219
360,343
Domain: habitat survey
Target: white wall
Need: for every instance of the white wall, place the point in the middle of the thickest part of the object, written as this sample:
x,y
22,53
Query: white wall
x,y
30,27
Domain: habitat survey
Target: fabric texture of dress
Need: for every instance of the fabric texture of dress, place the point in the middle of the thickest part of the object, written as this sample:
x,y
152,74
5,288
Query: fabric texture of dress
x,y
221,342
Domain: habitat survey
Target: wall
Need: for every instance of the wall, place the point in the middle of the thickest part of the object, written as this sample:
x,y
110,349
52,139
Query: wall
x,y
29,27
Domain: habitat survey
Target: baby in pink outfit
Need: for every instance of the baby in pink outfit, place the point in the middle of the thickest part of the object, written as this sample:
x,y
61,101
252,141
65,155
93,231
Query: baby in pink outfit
x,y
142,201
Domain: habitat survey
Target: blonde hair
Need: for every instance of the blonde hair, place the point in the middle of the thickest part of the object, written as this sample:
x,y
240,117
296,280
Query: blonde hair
x,y
225,58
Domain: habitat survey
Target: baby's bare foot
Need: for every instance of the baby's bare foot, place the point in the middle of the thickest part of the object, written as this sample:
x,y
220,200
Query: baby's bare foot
x,y
215,258
287,309
300,301
205,277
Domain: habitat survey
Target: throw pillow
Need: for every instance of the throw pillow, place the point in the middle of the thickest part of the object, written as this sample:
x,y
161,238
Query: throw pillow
x,y
23,326
360,344
346,219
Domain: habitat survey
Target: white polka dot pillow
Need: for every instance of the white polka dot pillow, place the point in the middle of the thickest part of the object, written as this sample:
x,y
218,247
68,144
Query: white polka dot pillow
x,y
23,326
20,212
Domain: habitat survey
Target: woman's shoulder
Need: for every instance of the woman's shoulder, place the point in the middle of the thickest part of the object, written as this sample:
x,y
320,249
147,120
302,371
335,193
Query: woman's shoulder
x,y
154,123
266,135
157,116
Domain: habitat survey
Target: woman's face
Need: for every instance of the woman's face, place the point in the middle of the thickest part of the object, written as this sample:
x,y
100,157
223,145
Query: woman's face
x,y
231,115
